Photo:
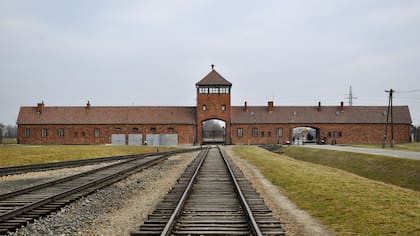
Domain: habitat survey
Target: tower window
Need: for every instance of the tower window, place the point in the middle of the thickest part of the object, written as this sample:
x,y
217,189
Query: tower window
x,y
204,108
214,90
223,90
118,129
153,130
171,130
135,130
203,90
223,107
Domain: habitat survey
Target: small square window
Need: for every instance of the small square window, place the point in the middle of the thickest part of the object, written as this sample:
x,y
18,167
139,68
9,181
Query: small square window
x,y
61,132
27,132
223,107
44,132
97,132
204,108
255,132
171,130
118,129
280,132
240,132
135,130
83,134
153,130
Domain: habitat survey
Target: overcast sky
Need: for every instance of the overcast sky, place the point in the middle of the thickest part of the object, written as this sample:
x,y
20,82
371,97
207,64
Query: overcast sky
x,y
153,52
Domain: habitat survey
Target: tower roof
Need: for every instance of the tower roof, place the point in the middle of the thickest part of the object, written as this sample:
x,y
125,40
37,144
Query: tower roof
x,y
213,78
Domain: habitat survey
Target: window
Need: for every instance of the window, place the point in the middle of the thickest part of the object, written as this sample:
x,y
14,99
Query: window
x,y
240,132
269,133
27,132
224,90
329,134
118,129
255,132
153,130
171,130
203,90
44,132
280,132
61,132
213,90
262,134
223,107
135,130
204,107
83,134
97,133
339,134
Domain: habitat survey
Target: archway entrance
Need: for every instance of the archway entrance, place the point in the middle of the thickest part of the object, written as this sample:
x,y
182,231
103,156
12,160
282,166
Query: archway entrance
x,y
214,131
301,135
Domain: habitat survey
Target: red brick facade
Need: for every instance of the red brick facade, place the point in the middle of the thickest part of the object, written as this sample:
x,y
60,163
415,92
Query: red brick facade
x,y
243,125
85,134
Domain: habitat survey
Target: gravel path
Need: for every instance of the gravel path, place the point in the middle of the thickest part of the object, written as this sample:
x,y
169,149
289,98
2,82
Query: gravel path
x,y
117,209
295,221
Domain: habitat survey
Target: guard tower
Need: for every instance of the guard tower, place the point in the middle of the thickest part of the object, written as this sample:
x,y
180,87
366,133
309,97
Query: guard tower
x,y
213,109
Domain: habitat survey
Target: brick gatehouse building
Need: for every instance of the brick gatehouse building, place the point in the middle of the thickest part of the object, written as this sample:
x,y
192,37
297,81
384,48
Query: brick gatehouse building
x,y
213,119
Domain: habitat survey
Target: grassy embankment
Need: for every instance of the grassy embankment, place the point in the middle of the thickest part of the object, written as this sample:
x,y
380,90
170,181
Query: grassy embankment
x,y
401,172
412,147
25,154
345,203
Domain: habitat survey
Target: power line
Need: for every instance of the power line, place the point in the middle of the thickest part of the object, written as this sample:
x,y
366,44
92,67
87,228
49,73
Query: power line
x,y
389,115
408,91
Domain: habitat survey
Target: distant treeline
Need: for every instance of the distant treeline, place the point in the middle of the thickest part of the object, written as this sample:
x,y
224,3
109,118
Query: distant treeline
x,y
8,131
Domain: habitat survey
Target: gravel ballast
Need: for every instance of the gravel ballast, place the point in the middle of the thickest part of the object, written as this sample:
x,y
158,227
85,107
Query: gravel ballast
x,y
117,209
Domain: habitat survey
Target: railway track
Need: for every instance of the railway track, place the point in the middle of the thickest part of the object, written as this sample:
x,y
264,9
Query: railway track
x,y
66,164
212,197
23,206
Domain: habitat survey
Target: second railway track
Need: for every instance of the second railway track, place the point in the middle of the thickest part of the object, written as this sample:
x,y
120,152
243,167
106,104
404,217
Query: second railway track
x,y
23,206
212,197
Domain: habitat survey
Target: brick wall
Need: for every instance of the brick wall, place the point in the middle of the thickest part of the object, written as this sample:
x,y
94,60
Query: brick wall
x,y
85,134
350,133
213,103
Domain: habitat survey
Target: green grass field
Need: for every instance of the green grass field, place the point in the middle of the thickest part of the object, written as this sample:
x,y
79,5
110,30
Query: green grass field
x,y
398,171
346,203
17,155
412,147
8,141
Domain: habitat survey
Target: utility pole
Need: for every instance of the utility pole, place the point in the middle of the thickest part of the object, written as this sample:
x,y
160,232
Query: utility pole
x,y
389,114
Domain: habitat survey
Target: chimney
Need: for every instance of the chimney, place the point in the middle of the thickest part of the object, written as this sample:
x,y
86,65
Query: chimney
x,y
88,105
245,106
341,105
319,106
40,107
270,106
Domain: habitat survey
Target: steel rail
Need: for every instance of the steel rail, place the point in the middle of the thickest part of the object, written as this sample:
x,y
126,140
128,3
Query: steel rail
x,y
172,219
73,163
84,189
31,206
254,226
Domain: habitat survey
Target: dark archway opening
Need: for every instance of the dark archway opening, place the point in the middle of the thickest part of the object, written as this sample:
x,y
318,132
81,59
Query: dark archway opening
x,y
305,134
214,131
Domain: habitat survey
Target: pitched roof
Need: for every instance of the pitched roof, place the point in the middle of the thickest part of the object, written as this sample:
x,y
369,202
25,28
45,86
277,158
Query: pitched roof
x,y
213,78
107,115
327,114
